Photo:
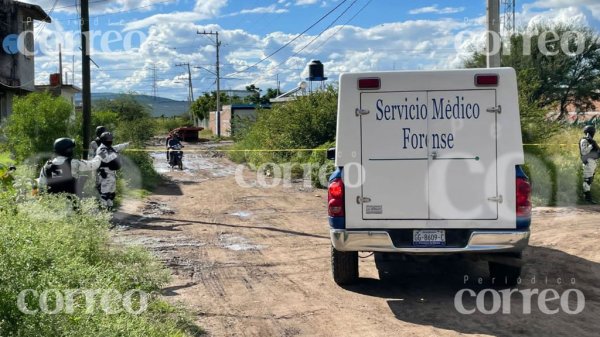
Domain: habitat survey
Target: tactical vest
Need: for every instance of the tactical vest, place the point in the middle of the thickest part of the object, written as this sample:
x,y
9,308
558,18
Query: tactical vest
x,y
115,164
60,178
592,155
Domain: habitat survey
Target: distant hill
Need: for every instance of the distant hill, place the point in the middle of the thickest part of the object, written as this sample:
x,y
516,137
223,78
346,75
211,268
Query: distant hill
x,y
159,107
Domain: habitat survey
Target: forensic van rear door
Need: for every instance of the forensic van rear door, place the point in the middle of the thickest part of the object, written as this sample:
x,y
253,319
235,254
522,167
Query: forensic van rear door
x,y
429,155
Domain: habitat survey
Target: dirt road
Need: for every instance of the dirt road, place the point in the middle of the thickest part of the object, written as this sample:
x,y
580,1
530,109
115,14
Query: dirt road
x,y
254,261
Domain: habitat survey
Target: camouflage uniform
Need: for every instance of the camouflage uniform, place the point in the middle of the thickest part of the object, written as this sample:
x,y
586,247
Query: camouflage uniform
x,y
107,177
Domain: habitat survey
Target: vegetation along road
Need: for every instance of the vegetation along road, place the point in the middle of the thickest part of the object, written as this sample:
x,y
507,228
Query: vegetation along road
x,y
254,261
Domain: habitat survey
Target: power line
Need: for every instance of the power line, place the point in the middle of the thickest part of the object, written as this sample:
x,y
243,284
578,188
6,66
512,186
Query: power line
x,y
310,42
76,4
134,9
343,26
289,42
218,74
154,86
44,23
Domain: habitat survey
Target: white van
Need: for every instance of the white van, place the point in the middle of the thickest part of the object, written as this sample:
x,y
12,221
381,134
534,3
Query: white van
x,y
429,162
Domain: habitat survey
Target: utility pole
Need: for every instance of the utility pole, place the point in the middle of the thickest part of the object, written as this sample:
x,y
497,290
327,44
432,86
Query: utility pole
x,y
278,86
60,65
86,75
190,89
494,43
218,46
154,86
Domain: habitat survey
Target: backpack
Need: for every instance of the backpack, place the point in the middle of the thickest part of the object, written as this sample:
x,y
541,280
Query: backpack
x,y
60,178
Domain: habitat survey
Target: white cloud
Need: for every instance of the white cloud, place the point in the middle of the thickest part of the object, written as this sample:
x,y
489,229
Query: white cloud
x,y
413,44
100,7
436,10
593,6
569,15
306,2
272,9
204,9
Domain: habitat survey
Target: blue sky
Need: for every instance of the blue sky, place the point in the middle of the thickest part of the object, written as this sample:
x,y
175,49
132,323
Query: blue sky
x,y
358,35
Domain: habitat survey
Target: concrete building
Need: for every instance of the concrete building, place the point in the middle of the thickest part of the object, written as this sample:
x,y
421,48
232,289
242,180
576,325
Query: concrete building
x,y
232,116
67,91
17,67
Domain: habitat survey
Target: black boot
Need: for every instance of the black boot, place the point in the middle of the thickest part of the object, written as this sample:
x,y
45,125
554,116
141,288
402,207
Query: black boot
x,y
588,198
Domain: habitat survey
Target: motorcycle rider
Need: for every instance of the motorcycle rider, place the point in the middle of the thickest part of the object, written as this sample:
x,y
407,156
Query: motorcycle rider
x,y
94,144
111,163
589,151
173,145
62,173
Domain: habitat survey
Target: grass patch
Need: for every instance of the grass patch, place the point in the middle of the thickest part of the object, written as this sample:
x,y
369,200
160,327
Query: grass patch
x,y
46,245
555,170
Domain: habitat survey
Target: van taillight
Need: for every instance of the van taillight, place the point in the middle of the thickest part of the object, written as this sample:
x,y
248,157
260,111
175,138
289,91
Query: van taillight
x,y
336,198
523,198
483,80
371,83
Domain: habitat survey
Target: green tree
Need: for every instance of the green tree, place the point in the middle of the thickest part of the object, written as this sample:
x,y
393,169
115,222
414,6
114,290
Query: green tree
x,y
37,120
254,97
206,103
126,106
108,119
563,61
271,93
127,118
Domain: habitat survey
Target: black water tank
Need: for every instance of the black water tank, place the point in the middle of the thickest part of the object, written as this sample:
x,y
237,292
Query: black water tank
x,y
316,70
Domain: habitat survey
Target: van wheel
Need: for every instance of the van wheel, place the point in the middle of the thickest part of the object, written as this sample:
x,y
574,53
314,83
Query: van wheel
x,y
344,266
503,274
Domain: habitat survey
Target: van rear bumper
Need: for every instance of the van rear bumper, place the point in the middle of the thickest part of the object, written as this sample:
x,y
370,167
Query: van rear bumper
x,y
480,241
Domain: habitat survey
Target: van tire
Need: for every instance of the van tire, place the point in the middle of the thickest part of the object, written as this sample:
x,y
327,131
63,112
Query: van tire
x,y
503,274
344,266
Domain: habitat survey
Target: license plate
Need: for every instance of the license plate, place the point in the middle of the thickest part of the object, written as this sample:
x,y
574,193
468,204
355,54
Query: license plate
x,y
429,237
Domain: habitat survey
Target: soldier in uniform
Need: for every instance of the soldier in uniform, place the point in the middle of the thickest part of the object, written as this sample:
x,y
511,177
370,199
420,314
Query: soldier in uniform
x,y
111,163
61,174
94,144
589,151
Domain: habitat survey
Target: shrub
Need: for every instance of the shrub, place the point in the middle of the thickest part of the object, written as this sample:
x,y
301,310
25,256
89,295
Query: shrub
x,y
307,122
106,118
37,120
555,170
138,132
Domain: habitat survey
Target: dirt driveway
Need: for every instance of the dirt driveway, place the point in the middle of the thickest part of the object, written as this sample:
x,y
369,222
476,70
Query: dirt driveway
x,y
253,261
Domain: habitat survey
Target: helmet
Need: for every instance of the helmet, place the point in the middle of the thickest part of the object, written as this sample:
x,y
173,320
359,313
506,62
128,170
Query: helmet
x,y
589,129
106,138
64,147
100,130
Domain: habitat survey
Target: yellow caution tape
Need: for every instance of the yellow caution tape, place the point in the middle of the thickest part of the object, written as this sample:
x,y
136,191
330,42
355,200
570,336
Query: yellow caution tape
x,y
227,150
279,150
550,144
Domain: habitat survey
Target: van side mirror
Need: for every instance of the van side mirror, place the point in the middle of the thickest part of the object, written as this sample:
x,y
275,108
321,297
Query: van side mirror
x,y
331,153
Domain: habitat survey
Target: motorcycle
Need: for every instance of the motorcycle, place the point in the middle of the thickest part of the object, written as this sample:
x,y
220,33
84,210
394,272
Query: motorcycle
x,y
176,156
